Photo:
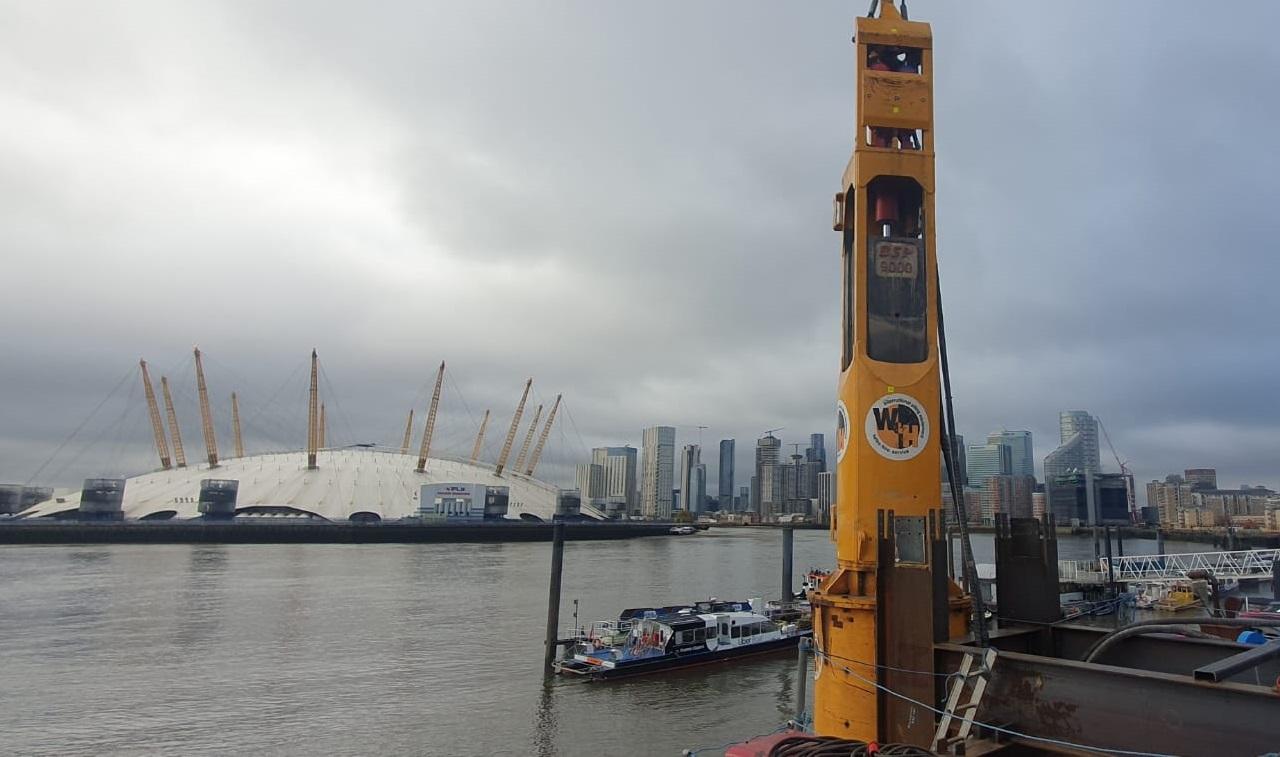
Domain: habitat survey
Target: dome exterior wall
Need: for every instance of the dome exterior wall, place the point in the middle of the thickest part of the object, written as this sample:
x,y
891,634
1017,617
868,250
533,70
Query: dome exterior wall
x,y
346,481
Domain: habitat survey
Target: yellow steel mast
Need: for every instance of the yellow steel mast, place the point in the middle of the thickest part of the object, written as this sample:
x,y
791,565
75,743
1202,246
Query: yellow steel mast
x,y
206,414
878,608
511,432
475,450
313,412
157,427
542,439
408,434
528,438
179,455
430,428
235,426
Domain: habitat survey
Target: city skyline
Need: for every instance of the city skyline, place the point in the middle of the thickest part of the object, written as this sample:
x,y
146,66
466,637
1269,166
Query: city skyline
x,y
443,230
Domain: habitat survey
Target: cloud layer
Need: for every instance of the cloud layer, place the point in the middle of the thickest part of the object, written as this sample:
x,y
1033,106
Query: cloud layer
x,y
631,204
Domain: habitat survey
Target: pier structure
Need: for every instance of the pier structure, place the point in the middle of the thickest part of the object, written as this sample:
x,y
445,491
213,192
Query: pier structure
x,y
1167,568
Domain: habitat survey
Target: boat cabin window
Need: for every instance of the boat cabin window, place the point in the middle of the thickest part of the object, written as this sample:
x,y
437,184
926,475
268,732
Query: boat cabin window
x,y
737,632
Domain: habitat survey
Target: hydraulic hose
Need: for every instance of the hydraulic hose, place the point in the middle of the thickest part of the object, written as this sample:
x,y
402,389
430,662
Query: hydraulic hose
x,y
1170,626
979,623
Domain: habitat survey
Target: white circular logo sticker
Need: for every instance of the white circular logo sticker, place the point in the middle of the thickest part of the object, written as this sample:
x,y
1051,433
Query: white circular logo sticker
x,y
842,430
897,427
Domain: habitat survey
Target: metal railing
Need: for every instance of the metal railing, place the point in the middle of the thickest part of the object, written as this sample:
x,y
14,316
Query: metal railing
x,y
1253,563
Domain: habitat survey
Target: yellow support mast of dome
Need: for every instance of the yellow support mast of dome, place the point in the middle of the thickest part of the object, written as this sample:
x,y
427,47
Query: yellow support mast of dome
x,y
528,438
542,440
153,409
511,432
475,449
175,433
430,428
206,414
408,434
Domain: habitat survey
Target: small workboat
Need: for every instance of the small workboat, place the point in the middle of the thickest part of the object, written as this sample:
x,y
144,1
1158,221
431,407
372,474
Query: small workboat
x,y
812,580
683,530
660,639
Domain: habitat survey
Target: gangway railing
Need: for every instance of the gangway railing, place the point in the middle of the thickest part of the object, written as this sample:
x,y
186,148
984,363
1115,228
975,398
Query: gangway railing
x,y
1242,564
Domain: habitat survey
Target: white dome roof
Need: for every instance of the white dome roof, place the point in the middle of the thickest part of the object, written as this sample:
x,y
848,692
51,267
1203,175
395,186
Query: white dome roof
x,y
345,481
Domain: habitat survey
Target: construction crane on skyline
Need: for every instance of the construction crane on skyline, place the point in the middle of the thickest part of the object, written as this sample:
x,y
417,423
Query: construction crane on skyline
x,y
1124,469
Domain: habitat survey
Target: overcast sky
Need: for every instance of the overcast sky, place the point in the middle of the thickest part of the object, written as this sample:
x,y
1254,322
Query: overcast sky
x,y
631,203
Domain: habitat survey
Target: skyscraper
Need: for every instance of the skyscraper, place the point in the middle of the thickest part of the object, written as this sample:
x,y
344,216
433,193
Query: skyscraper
x,y
985,461
817,452
826,495
1022,461
725,490
590,477
619,474
659,471
691,498
1078,445
1201,478
768,449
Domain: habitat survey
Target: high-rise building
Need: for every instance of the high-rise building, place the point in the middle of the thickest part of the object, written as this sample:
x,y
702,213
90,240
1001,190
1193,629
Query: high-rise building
x,y
1078,450
766,496
700,487
771,492
725,489
826,495
1022,460
1169,497
1201,478
986,460
619,471
743,502
1089,498
817,451
590,478
690,497
659,451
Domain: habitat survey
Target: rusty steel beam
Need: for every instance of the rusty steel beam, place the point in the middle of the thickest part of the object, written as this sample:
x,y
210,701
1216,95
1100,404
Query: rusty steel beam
x,y
1113,708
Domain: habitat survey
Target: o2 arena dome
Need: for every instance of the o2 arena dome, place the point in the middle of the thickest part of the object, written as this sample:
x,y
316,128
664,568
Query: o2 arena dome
x,y
361,482
354,483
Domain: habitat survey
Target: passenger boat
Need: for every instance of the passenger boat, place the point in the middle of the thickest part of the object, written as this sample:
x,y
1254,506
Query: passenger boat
x,y
660,639
683,530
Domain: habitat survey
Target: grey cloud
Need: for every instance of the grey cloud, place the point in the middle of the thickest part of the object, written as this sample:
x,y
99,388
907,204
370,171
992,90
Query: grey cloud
x,y
630,203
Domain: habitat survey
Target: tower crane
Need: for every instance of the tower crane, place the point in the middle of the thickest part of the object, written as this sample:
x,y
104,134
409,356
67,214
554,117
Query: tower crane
x,y
1124,471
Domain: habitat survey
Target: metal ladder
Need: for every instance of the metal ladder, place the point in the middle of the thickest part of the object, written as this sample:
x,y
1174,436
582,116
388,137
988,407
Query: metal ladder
x,y
964,713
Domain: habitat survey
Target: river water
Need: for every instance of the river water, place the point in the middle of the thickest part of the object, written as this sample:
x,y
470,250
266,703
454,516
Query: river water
x,y
431,649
